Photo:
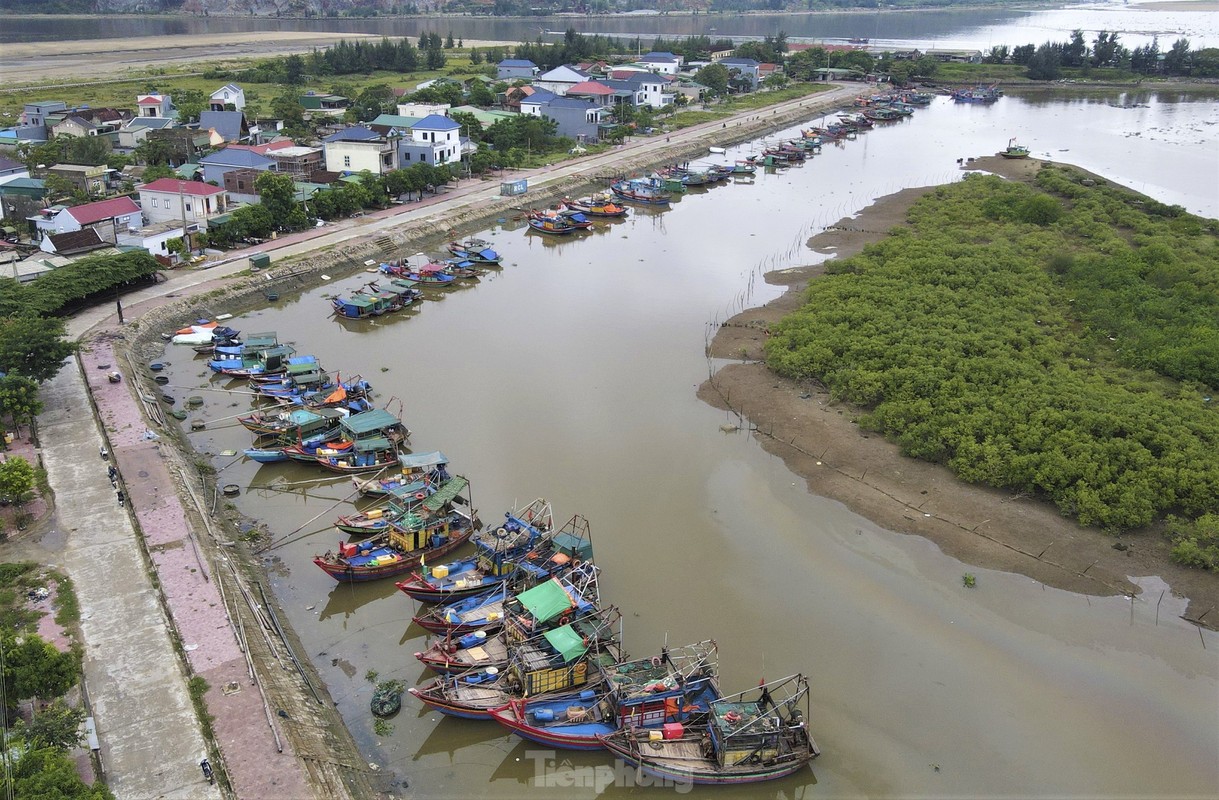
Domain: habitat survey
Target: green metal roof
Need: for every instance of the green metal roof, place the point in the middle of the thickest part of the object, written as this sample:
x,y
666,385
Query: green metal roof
x,y
445,494
545,601
567,642
369,421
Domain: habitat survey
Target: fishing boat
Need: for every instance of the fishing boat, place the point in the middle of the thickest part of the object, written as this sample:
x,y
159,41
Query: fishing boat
x,y
553,223
370,454
267,361
446,582
519,530
430,274
756,735
674,687
476,250
429,467
597,205
305,451
398,507
474,651
300,423
365,305
558,662
977,94
208,334
265,455
446,520
744,168
642,191
1014,150
351,395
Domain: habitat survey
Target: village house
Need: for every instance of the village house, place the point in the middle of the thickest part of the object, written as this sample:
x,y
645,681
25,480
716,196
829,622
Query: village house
x,y
169,199
215,165
225,127
746,68
89,179
11,170
155,238
435,139
228,95
515,69
559,79
299,162
332,105
135,130
86,122
594,91
576,118
73,243
661,63
360,148
107,217
155,105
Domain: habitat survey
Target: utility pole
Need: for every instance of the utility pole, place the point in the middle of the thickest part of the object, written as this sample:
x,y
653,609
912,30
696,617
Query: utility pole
x,y
182,208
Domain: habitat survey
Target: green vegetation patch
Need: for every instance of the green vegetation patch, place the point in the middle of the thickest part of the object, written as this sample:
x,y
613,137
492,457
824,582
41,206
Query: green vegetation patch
x,y
1033,339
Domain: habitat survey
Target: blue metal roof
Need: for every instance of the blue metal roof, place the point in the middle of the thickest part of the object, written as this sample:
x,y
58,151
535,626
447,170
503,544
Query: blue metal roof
x,y
436,122
356,133
517,62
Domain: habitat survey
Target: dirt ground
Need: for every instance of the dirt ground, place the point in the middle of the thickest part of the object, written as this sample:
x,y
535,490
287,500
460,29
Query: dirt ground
x,y
110,58
819,439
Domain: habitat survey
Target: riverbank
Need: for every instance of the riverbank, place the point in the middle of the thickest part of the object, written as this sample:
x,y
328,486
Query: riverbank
x,y
819,440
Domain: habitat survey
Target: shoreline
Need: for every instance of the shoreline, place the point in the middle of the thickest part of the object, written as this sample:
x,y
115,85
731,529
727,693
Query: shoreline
x,y
819,440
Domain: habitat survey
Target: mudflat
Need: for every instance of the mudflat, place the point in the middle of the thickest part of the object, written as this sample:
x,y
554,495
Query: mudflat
x,y
102,59
820,440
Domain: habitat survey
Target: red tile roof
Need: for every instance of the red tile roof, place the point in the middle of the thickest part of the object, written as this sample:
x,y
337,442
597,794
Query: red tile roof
x,y
103,209
174,186
590,87
151,101
263,149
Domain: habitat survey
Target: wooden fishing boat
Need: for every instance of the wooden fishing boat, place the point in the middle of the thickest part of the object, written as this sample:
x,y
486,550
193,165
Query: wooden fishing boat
x,y
977,94
469,652
445,522
366,305
446,582
642,191
265,455
597,205
396,511
558,662
300,423
305,452
674,687
481,612
426,275
370,454
554,223
476,250
1014,150
263,362
757,735
519,530
429,467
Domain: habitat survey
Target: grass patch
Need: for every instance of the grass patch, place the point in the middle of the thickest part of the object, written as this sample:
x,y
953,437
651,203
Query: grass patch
x,y
67,607
198,686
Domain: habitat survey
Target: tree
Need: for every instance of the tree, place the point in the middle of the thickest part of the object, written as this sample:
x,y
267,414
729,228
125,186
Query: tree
x,y
1046,63
481,95
156,171
998,54
35,668
1106,52
1023,54
190,104
371,103
476,57
34,347
1075,54
16,480
49,773
776,80
153,151
1176,60
59,189
448,43
470,126
714,77
19,400
278,196
287,107
294,70
56,727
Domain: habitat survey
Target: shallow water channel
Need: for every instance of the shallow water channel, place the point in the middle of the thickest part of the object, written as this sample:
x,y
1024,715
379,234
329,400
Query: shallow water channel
x,y
571,374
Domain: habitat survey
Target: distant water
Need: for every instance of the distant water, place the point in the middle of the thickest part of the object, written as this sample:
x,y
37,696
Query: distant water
x,y
978,28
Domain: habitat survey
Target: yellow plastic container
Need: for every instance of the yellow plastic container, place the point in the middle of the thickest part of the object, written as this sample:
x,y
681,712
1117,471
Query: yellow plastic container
x,y
441,571
374,514
655,736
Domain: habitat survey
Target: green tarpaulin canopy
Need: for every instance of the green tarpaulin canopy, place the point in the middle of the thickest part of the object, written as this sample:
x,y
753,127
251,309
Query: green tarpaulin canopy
x,y
445,494
369,422
545,601
567,642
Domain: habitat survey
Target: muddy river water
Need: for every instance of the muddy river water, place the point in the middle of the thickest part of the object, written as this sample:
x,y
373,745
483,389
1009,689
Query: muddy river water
x,y
571,374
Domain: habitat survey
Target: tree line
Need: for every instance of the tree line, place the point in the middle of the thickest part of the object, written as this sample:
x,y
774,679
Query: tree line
x,y
972,339
1048,60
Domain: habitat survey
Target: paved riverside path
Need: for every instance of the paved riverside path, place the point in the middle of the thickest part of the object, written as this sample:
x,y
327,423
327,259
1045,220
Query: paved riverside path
x,y
151,744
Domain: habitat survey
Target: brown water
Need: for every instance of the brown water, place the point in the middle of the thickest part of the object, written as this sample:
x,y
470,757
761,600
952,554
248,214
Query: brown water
x,y
571,374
